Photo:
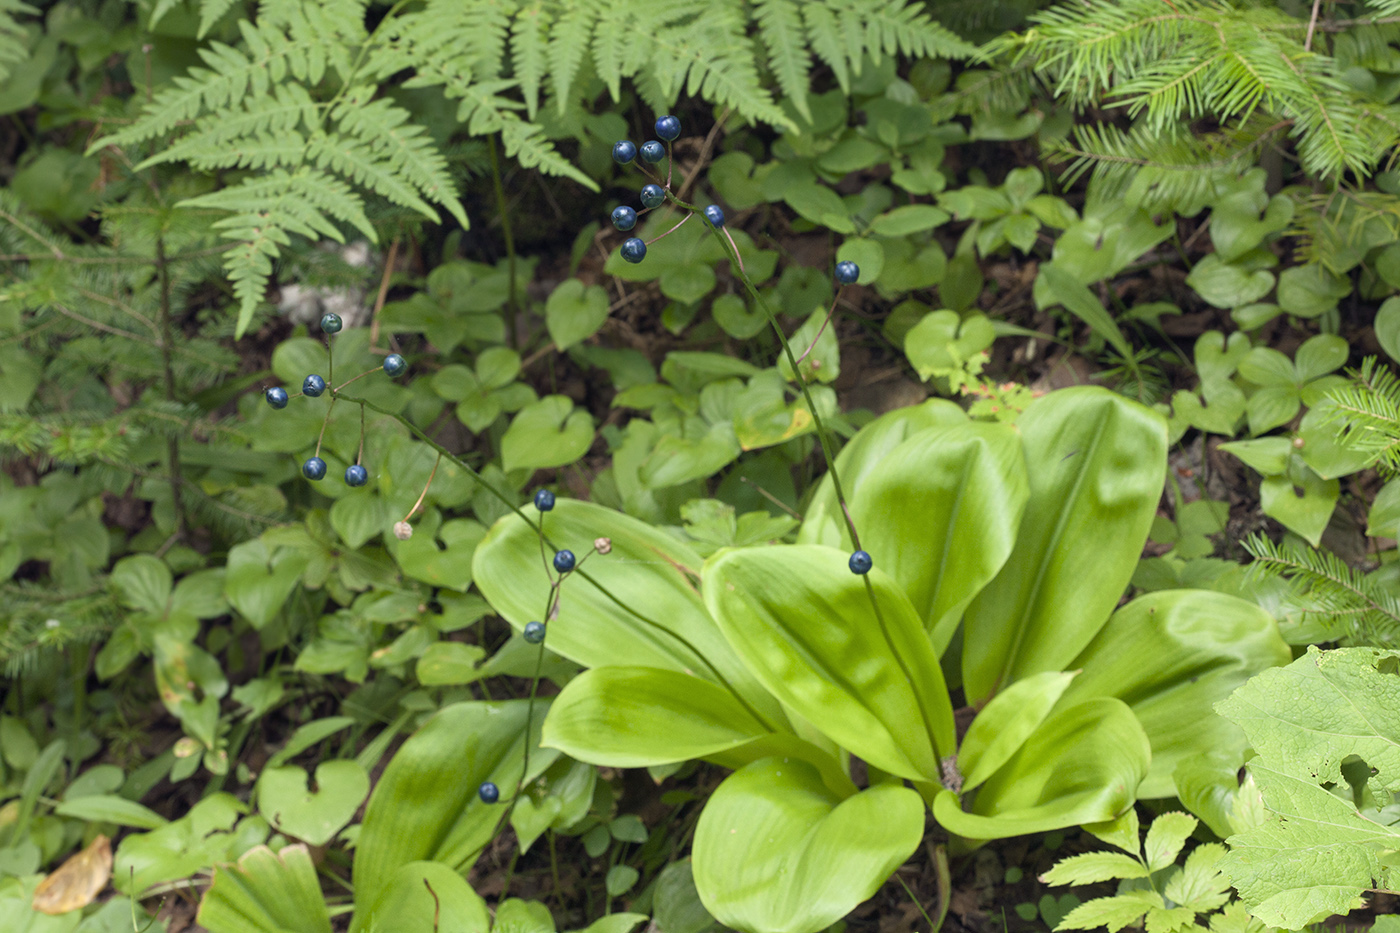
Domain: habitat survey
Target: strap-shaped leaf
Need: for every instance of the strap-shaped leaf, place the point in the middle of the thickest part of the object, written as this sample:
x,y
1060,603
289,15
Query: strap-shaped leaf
x,y
808,629
1097,463
1081,766
634,607
940,512
1005,723
266,890
777,852
1172,656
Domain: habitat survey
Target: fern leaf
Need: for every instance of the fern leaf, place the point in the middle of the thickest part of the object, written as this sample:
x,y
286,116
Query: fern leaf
x,y
1344,603
615,29
569,41
210,12
483,28
780,28
218,137
824,35
14,41
529,44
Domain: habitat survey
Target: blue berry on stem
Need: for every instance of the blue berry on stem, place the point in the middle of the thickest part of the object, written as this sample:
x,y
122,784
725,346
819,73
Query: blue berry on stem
x,y
313,386
534,632
624,218
633,249
564,561
331,323
668,127
314,469
544,500
653,196
624,151
715,215
276,397
394,364
847,272
861,563
488,792
653,151
356,475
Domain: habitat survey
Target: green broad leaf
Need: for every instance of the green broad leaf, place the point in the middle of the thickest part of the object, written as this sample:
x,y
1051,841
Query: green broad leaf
x,y
820,856
823,522
1319,356
142,582
1199,885
519,916
940,514
1004,724
422,897
547,433
1082,765
1230,284
620,879
266,892
447,663
313,817
819,205
1211,788
1105,241
1093,867
109,808
202,837
1236,226
815,346
675,460
359,516
809,630
634,607
574,312
1097,462
1384,518
1172,656
1311,290
1112,912
635,717
260,578
441,556
687,283
1063,288
942,342
735,319
1270,407
1165,837
1121,831
1267,455
911,218
868,254
1322,451
425,805
1302,501
1387,326
676,903
733,176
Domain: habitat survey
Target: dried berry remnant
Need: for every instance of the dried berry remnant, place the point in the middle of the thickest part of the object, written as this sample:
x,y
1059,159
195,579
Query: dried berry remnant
x,y
715,215
564,561
602,545
534,632
847,272
634,250
544,500
356,475
653,195
624,218
394,365
624,151
331,323
276,397
313,385
860,563
403,530
314,469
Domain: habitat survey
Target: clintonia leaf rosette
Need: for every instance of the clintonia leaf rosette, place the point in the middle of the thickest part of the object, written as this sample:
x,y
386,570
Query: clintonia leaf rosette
x,y
779,662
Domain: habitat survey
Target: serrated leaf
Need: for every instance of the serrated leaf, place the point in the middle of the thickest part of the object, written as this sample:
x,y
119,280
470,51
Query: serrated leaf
x,y
1165,837
1112,912
1093,867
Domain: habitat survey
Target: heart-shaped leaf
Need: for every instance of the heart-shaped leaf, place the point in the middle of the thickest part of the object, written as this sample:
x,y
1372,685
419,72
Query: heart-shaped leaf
x,y
574,313
777,852
811,632
312,816
547,433
260,579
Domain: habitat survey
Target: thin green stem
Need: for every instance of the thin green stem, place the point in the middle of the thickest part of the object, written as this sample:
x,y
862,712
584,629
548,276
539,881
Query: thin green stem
x,y
502,205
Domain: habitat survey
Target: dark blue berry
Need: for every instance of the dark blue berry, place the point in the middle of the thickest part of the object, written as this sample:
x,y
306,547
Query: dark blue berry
x,y
847,272
276,397
564,561
488,792
861,563
633,249
653,151
668,127
331,323
315,468
653,196
356,475
544,500
624,151
624,218
534,632
394,364
313,386
715,215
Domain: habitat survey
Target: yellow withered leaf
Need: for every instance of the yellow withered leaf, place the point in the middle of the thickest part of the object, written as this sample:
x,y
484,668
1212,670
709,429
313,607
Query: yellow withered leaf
x,y
77,881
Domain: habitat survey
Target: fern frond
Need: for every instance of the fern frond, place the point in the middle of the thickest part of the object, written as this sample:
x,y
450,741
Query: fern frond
x,y
894,27
210,145
529,46
1368,413
824,34
569,41
1345,603
14,41
780,29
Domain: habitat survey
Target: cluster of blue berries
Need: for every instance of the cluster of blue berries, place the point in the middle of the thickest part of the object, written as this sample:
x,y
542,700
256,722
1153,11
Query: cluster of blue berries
x,y
314,386
624,218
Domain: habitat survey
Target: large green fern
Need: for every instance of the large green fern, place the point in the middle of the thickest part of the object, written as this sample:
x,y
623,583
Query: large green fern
x,y
14,43
297,104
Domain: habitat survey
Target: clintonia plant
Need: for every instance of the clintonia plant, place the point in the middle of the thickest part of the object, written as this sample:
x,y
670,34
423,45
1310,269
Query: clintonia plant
x,y
1000,553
